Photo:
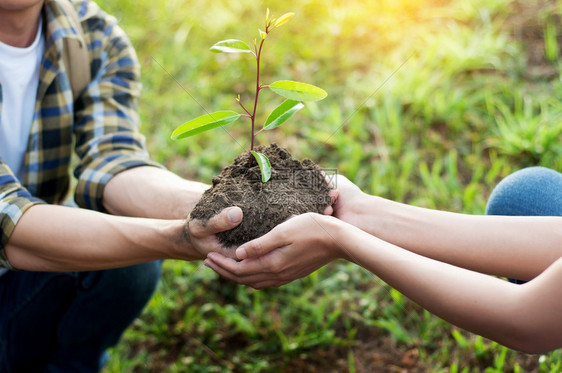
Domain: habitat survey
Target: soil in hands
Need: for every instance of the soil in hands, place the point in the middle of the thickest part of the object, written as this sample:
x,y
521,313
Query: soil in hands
x,y
295,188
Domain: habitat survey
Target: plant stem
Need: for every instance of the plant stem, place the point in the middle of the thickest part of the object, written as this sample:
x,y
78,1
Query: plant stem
x,y
242,106
258,88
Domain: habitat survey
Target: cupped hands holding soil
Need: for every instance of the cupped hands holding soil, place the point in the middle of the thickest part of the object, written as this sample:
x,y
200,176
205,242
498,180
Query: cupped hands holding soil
x,y
295,188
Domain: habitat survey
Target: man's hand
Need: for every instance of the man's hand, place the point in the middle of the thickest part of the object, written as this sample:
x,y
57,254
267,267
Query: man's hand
x,y
291,250
203,236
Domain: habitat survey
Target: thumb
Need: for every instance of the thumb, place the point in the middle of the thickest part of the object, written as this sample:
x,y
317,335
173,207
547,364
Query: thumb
x,y
227,219
274,239
258,247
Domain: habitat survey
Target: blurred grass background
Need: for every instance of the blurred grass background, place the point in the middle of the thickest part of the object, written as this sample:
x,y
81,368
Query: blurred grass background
x,y
431,102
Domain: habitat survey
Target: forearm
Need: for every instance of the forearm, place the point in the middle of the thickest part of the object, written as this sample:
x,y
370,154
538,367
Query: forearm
x,y
517,247
510,314
57,238
151,192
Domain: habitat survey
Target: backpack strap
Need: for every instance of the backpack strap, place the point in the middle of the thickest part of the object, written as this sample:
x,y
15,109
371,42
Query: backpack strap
x,y
75,53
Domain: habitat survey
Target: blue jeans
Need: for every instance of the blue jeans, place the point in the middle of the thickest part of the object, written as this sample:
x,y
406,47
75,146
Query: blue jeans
x,y
533,191
64,322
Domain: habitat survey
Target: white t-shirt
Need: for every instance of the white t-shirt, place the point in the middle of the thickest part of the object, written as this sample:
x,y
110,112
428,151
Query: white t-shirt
x,y
19,77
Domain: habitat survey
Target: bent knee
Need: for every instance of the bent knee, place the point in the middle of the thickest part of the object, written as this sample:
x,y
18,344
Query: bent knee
x,y
134,283
533,191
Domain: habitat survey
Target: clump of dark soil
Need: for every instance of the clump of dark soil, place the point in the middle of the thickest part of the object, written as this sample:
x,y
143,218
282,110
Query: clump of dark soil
x,y
295,187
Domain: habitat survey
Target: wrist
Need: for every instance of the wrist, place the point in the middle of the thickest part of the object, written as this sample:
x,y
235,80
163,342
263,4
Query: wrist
x,y
349,238
337,238
181,246
360,211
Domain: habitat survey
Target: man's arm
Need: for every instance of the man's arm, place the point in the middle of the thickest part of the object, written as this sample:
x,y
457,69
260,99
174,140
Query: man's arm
x,y
59,238
151,192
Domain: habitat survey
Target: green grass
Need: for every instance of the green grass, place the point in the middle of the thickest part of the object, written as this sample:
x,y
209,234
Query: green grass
x,y
430,102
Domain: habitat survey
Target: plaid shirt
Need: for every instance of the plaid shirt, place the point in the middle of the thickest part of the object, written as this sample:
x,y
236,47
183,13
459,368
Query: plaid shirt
x,y
101,126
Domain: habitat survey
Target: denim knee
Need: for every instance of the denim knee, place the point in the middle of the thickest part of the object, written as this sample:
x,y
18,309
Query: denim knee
x,y
533,191
128,288
64,322
107,303
137,281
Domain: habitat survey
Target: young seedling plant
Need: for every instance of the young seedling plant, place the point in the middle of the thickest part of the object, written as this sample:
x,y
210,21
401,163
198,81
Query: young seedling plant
x,y
293,92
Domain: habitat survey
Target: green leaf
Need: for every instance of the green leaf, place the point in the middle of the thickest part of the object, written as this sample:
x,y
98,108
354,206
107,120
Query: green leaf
x,y
298,91
264,165
205,123
283,19
231,46
282,113
263,34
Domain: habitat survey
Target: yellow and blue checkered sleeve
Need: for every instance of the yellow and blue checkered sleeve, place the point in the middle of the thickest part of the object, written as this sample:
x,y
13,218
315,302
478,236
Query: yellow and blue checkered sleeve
x,y
108,140
14,200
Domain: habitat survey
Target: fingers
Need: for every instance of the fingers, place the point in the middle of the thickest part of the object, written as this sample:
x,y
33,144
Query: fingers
x,y
329,179
249,266
248,272
259,247
227,219
220,269
282,235
256,281
334,194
